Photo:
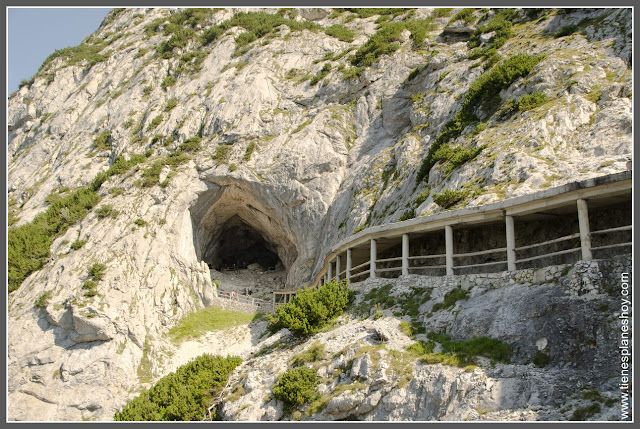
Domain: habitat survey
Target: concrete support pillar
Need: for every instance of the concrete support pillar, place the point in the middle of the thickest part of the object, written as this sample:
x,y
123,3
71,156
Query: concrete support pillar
x,y
405,254
338,268
448,241
348,273
511,243
372,259
330,271
585,239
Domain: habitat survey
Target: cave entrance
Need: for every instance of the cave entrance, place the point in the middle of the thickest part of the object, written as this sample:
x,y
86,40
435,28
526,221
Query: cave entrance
x,y
240,224
240,245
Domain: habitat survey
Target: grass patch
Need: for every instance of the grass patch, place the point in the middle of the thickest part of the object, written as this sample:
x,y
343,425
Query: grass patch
x,y
207,319
222,154
450,299
313,354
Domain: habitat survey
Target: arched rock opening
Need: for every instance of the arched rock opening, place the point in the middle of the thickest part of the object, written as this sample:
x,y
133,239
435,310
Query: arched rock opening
x,y
235,225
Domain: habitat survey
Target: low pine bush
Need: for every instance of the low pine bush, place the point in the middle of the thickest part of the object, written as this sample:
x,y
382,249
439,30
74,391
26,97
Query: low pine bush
x,y
297,386
183,395
311,309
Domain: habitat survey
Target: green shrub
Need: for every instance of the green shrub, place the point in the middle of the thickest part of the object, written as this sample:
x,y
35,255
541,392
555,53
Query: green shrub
x,y
107,211
102,141
140,222
115,191
89,284
167,82
250,149
311,309
541,359
406,329
531,101
450,298
96,271
222,154
191,145
43,299
297,386
183,395
465,15
442,12
383,42
409,214
171,103
78,244
483,94
29,244
155,122
340,32
321,74
585,412
422,197
567,30
467,350
448,198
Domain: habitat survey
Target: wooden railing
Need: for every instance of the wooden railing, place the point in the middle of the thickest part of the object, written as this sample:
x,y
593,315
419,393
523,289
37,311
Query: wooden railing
x,y
608,188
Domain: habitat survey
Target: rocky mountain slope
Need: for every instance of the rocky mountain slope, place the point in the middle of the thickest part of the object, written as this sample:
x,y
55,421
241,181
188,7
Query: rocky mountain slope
x,y
305,124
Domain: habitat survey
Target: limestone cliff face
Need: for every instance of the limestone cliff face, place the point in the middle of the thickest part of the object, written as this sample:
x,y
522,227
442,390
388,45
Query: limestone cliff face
x,y
296,140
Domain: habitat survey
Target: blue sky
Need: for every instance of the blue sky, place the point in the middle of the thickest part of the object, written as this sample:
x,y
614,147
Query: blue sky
x,y
34,33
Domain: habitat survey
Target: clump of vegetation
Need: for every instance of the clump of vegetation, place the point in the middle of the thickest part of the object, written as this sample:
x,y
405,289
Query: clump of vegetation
x,y
222,154
467,350
249,151
155,122
171,103
585,412
167,82
102,141
297,386
465,15
448,198
541,359
483,96
78,244
315,353
107,210
386,41
43,299
29,244
340,32
182,395
205,320
191,145
524,103
450,299
500,25
311,309
567,30
151,176
455,157
321,74
409,214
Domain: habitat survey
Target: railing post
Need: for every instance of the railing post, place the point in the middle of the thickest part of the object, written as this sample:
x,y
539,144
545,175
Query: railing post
x,y
348,272
405,254
583,221
448,242
372,260
338,268
511,243
330,271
